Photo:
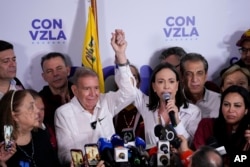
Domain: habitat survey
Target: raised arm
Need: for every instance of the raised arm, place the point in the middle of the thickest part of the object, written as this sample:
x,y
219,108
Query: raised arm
x,y
119,45
123,76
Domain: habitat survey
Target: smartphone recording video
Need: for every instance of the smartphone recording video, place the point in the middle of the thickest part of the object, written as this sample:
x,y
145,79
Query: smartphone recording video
x,y
8,129
92,154
77,157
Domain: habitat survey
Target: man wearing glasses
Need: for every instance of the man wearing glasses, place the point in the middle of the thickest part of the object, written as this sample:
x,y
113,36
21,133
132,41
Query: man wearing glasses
x,y
244,49
244,44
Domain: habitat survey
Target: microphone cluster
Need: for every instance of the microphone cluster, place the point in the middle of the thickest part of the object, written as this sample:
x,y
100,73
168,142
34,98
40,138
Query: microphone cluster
x,y
116,153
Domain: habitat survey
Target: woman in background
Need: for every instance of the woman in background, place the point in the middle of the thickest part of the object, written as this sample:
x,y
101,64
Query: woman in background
x,y
40,105
235,75
18,109
231,128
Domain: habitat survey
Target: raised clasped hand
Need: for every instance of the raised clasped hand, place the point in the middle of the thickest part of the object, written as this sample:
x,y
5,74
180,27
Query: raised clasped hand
x,y
118,42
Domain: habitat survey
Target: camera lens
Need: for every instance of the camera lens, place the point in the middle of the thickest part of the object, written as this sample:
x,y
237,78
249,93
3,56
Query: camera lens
x,y
170,136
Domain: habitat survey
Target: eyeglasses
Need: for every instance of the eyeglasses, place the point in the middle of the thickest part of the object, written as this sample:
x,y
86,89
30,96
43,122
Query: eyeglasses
x,y
244,50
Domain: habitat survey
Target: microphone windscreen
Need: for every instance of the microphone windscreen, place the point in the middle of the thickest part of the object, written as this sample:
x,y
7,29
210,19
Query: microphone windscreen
x,y
166,96
103,144
153,151
158,130
139,142
152,162
106,151
117,141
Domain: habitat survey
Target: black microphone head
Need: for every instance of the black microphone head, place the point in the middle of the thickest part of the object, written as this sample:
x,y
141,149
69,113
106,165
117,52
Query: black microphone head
x,y
160,132
166,96
157,130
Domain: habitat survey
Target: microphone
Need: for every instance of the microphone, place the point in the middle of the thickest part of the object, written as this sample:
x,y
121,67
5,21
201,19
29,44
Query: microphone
x,y
163,153
141,145
152,162
172,137
160,132
164,160
166,96
106,150
134,156
120,152
117,141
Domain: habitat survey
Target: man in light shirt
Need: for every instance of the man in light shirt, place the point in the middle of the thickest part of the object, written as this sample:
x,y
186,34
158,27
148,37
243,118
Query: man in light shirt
x,y
89,114
8,80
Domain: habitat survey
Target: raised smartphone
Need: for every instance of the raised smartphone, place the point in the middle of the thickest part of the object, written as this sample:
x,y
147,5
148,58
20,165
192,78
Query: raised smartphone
x,y
8,129
92,154
77,157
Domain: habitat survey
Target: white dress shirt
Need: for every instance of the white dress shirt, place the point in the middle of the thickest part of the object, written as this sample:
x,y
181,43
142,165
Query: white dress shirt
x,y
209,104
73,122
189,119
13,86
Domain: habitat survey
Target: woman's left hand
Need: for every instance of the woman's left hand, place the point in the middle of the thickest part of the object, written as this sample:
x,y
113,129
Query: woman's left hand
x,y
6,154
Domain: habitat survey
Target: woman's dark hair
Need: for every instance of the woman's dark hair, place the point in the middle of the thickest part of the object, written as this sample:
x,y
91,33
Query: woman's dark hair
x,y
232,141
153,97
9,103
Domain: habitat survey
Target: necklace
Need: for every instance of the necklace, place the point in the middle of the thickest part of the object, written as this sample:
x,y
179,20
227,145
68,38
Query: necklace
x,y
130,123
159,119
31,159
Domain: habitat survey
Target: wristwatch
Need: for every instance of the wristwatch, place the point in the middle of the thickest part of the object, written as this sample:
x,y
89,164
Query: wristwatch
x,y
124,64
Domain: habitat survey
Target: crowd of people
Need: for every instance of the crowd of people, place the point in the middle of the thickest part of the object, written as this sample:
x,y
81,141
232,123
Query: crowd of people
x,y
67,114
